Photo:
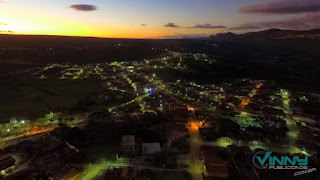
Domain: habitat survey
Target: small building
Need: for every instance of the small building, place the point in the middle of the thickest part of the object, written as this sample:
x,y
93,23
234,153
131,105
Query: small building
x,y
7,162
119,119
183,160
151,148
16,119
214,166
52,160
128,173
128,144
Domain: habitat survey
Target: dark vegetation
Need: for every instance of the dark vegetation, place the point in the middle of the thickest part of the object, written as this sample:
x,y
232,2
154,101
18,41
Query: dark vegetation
x,y
36,97
102,140
292,63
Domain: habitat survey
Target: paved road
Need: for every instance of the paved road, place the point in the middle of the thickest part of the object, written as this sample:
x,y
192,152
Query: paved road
x,y
17,139
196,165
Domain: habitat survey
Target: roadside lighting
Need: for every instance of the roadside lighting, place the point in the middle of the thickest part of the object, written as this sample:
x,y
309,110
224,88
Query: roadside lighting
x,y
22,121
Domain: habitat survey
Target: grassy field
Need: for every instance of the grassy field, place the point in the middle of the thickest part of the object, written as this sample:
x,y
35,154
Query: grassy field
x,y
36,97
94,153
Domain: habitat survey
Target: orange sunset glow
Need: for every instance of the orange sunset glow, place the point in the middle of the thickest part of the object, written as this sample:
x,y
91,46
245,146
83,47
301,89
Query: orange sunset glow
x,y
139,19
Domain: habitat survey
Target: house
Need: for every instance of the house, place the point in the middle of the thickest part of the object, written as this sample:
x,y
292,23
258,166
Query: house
x,y
7,162
128,173
214,166
119,119
241,158
16,119
53,158
151,148
112,173
183,160
128,144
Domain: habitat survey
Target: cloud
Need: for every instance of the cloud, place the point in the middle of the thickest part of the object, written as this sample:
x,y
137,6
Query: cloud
x,y
308,21
283,7
185,36
6,31
171,25
84,7
207,26
301,22
143,24
245,27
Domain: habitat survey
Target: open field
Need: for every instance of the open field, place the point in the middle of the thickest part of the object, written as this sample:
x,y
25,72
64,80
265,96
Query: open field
x,y
36,97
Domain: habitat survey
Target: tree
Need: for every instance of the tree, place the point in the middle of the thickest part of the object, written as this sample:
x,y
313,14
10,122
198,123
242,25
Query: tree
x,y
180,143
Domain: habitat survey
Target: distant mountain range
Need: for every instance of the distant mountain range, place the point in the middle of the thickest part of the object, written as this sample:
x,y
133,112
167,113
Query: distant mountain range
x,y
268,34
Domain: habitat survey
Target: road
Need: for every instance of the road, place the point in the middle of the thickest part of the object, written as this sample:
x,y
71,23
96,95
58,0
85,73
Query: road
x,y
290,122
33,74
31,135
196,165
96,171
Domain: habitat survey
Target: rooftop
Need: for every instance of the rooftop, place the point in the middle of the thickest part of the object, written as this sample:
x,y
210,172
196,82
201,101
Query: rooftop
x,y
150,148
128,140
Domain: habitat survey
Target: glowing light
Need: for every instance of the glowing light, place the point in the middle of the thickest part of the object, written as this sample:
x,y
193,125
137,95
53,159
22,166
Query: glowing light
x,y
244,102
190,108
194,127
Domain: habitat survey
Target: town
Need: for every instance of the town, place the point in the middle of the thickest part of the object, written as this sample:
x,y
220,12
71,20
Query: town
x,y
148,120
